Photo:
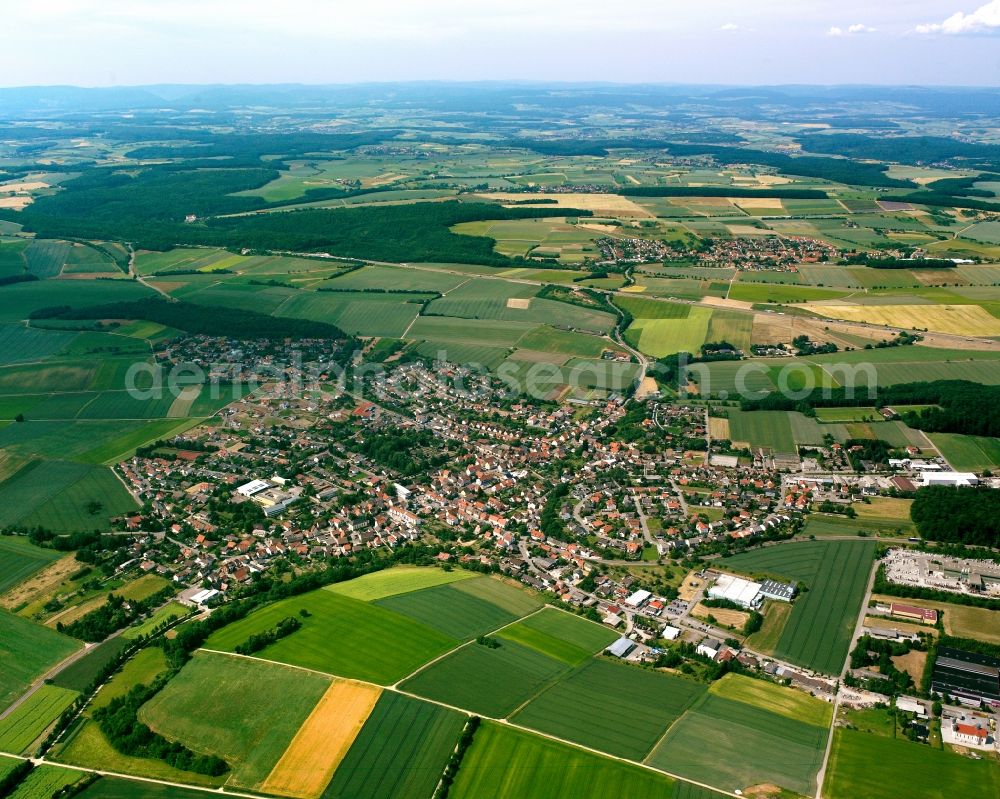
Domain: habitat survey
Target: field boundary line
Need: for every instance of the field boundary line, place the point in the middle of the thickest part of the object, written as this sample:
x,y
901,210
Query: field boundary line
x,y
465,712
41,761
462,646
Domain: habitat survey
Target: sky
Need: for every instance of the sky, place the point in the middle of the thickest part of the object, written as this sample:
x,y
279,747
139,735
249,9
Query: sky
x,y
136,42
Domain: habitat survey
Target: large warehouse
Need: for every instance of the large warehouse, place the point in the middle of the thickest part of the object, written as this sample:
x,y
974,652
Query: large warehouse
x,y
736,589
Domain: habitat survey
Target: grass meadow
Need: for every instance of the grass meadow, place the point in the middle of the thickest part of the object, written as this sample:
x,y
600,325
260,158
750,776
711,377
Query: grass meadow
x,y
391,647
207,708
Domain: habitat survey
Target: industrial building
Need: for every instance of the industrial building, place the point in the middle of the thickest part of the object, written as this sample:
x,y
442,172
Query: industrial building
x,y
744,593
929,478
772,589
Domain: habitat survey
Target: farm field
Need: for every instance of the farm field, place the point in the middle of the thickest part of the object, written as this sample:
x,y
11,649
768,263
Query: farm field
x,y
787,702
398,580
506,763
968,453
328,642
822,620
769,429
399,753
117,788
875,767
734,745
44,781
466,678
320,744
56,495
141,669
961,320
645,703
206,708
31,718
665,336
19,559
27,650
766,639
560,635
456,613
79,675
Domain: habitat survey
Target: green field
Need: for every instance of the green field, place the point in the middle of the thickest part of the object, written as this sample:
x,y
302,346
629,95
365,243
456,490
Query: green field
x,y
968,453
56,495
19,559
505,763
207,707
733,745
116,788
469,678
400,752
175,610
44,781
660,337
31,718
392,646
455,613
79,675
398,580
27,651
560,635
768,429
612,707
141,669
818,633
878,768
549,339
787,702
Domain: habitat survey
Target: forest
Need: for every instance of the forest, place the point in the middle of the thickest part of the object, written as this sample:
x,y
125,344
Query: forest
x,y
958,515
206,320
964,406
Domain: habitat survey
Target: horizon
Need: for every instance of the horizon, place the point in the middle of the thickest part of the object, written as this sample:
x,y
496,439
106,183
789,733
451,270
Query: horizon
x,y
116,43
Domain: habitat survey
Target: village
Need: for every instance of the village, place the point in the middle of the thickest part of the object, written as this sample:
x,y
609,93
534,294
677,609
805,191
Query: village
x,y
617,511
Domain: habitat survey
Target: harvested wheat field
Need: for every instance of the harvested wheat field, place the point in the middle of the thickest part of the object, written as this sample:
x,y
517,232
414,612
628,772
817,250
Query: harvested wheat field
x,y
692,584
722,302
758,202
40,583
961,320
600,204
725,616
718,427
322,741
521,304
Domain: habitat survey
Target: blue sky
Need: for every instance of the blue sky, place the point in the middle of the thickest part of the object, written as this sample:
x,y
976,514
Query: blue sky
x,y
109,42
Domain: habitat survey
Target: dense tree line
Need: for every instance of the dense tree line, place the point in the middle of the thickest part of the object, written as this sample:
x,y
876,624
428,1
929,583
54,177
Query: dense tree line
x,y
121,726
900,149
958,515
114,614
208,320
14,777
943,200
964,406
455,761
722,191
905,263
8,280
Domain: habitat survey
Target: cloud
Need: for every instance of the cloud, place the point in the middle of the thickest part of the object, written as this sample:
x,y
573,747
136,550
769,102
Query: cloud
x,y
850,30
985,19
729,26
